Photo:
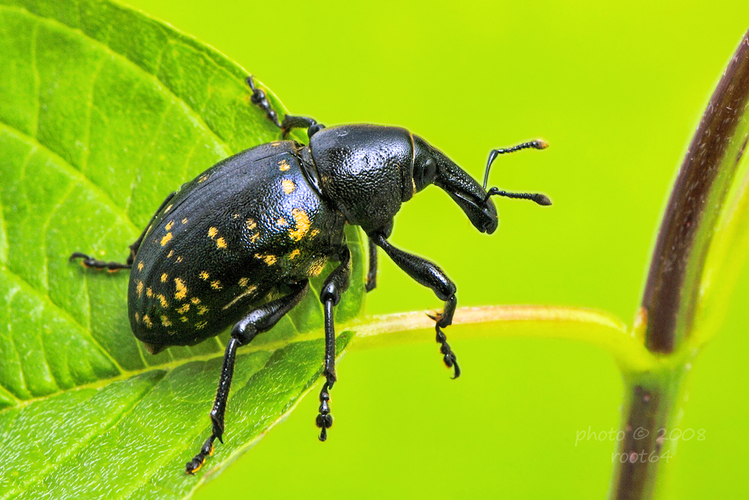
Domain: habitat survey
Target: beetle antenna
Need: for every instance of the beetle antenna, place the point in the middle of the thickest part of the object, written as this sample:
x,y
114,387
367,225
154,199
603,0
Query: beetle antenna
x,y
537,144
539,198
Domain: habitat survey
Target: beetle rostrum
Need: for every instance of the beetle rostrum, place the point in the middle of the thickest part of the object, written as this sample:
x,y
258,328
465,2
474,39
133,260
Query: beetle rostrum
x,y
236,246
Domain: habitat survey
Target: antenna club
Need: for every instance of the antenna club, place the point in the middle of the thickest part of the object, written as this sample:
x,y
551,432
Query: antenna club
x,y
540,144
542,199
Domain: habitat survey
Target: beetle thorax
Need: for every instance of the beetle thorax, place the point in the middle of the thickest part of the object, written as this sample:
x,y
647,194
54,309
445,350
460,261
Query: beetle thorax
x,y
364,171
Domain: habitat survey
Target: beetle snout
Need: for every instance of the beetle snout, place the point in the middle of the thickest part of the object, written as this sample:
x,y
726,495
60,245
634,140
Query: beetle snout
x,y
491,223
487,221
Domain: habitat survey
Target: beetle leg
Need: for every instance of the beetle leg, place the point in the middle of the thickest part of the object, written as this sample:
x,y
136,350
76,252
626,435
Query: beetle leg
x,y
431,276
90,262
372,273
335,284
258,321
292,122
289,122
261,100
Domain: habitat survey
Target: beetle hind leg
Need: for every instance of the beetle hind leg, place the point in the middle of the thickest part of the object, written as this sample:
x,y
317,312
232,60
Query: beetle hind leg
x,y
260,99
91,263
257,321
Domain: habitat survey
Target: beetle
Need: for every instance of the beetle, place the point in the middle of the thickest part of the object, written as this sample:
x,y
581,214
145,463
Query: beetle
x,y
237,245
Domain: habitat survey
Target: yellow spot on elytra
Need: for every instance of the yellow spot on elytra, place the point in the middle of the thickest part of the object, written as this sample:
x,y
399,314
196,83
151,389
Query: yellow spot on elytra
x,y
165,321
302,224
179,259
201,325
183,319
236,216
221,243
269,259
166,239
203,178
147,321
149,292
283,165
169,226
184,221
251,224
163,301
137,318
184,309
164,277
202,310
316,267
212,232
171,252
314,233
195,300
204,275
168,208
294,253
275,144
216,285
181,289
281,222
140,288
254,237
140,266
288,186
249,291
243,282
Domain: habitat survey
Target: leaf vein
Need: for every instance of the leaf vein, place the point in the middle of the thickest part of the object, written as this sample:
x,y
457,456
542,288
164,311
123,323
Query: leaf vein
x,y
86,139
68,169
15,349
63,313
37,79
71,451
161,83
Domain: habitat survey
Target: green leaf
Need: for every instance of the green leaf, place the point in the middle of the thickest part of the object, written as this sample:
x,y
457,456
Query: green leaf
x,y
103,112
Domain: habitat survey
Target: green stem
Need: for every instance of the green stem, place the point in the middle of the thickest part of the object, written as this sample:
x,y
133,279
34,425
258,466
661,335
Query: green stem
x,y
672,297
548,322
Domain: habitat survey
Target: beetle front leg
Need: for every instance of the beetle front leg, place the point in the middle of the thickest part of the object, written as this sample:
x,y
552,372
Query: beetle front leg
x,y
112,267
335,284
257,321
431,276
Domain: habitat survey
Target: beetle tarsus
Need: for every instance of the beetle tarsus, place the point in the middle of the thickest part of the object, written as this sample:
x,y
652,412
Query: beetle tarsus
x,y
324,419
448,356
198,460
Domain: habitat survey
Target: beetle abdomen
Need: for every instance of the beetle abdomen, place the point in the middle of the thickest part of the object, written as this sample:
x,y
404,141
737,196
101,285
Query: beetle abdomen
x,y
235,233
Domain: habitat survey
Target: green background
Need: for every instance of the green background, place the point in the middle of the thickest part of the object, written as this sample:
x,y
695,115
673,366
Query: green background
x,y
617,90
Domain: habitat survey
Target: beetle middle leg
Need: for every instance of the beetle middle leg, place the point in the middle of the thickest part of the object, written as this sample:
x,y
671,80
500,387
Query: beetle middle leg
x,y
257,321
372,273
112,267
431,276
289,122
330,295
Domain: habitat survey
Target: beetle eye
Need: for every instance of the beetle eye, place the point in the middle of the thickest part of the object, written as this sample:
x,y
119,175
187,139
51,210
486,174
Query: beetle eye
x,y
430,170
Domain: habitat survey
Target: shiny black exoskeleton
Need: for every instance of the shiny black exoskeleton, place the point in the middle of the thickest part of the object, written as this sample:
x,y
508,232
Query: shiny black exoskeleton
x,y
259,224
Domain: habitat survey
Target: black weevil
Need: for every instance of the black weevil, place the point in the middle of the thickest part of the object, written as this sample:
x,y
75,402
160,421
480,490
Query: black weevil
x,y
265,220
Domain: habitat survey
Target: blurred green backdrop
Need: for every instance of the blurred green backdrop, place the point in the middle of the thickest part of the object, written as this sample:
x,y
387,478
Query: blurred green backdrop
x,y
617,90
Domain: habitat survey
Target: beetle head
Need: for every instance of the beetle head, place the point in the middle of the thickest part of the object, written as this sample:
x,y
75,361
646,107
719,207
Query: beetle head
x,y
431,166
